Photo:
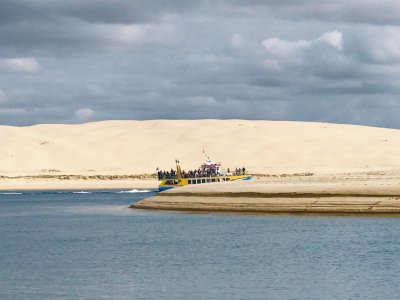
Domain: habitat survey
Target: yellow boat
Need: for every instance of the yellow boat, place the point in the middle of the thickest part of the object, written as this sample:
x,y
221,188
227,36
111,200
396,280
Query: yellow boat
x,y
208,172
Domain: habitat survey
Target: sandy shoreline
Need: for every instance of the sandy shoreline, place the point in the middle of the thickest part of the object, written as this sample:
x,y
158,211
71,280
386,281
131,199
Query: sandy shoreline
x,y
330,194
345,193
74,182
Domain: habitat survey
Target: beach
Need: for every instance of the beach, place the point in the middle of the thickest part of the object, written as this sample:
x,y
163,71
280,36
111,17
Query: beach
x,y
297,166
360,193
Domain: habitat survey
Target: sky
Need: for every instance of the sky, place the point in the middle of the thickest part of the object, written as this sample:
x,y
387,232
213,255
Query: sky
x,y
75,61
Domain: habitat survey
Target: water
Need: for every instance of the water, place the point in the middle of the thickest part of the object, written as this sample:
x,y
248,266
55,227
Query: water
x,y
64,245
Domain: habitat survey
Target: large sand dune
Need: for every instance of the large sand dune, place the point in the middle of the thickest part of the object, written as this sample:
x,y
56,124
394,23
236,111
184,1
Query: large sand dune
x,y
139,147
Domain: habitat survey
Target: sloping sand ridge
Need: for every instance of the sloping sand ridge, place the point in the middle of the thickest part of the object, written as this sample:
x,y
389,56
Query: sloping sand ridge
x,y
139,147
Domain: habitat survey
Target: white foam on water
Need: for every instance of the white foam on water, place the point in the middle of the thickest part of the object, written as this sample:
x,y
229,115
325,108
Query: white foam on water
x,y
81,192
11,193
134,191
106,209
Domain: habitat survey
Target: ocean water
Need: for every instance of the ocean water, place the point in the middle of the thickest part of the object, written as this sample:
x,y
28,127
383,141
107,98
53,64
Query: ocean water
x,y
90,245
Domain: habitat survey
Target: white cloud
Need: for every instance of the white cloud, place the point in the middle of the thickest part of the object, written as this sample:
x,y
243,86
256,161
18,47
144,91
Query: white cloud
x,y
285,48
136,35
380,44
333,38
20,65
238,41
280,47
83,114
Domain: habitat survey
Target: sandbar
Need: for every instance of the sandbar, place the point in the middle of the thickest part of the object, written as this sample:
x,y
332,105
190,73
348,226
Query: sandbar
x,y
328,194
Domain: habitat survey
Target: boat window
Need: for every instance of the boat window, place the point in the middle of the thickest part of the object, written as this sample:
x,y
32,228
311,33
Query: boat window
x,y
172,182
212,179
194,181
203,181
208,180
198,180
228,179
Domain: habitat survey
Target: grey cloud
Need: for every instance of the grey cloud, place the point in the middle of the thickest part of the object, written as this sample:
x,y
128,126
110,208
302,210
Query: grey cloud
x,y
377,45
375,12
99,11
198,59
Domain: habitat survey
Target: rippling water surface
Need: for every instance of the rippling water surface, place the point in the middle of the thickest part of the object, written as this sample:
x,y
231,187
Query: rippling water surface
x,y
90,245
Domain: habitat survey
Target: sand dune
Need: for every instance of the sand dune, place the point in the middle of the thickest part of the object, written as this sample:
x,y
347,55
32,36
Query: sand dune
x,y
139,147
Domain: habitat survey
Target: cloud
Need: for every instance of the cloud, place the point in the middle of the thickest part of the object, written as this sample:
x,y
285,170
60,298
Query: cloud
x,y
333,38
285,48
84,114
283,60
20,65
380,45
121,34
95,90
208,59
12,112
238,41
99,11
3,96
373,12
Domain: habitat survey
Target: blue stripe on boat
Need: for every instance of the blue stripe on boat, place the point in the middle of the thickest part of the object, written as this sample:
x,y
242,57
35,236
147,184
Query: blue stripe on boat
x,y
164,188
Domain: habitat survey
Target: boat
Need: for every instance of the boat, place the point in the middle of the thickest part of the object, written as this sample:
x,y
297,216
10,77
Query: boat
x,y
208,172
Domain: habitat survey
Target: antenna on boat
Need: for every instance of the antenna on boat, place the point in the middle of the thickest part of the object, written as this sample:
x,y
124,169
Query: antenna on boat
x,y
208,160
178,169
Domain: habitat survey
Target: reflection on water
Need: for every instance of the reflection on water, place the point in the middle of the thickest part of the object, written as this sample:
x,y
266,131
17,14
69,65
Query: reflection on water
x,y
91,245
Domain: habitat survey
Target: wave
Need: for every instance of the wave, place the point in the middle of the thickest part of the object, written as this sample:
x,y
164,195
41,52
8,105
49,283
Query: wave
x,y
11,193
134,191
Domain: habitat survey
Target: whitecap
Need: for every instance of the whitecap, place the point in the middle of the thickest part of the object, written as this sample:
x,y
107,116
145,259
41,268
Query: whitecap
x,y
134,191
81,192
11,193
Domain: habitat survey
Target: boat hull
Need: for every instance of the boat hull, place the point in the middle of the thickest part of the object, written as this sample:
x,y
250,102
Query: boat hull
x,y
167,184
165,188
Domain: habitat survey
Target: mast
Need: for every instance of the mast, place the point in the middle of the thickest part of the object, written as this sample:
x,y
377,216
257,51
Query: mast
x,y
208,160
178,169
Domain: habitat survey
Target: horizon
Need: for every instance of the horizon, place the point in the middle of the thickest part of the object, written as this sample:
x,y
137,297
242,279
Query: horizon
x,y
183,120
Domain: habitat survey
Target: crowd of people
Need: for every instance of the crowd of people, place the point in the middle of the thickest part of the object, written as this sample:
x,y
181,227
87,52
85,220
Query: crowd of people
x,y
208,171
239,171
166,174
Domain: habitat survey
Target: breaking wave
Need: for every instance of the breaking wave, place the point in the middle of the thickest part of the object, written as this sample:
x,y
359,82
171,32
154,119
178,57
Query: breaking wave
x,y
11,193
134,191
